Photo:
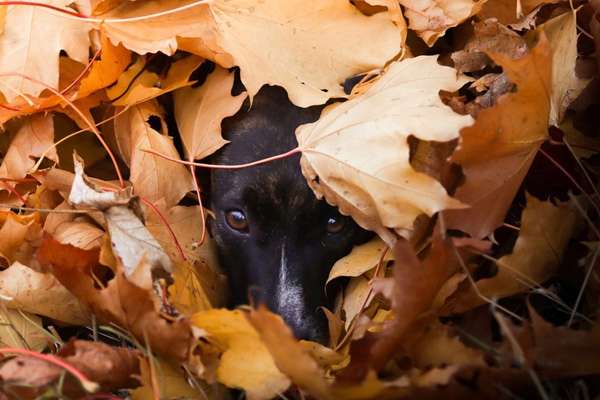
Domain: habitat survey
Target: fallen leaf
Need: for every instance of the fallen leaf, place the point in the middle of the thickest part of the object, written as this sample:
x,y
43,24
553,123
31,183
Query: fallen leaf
x,y
153,177
21,330
511,11
545,232
383,192
103,72
31,140
302,46
120,301
432,18
497,151
80,234
245,363
187,292
199,112
361,259
30,45
566,86
40,293
18,237
357,296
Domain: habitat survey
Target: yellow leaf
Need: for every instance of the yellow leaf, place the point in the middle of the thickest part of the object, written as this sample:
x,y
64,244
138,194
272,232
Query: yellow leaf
x,y
187,293
245,363
199,113
361,259
357,155
30,45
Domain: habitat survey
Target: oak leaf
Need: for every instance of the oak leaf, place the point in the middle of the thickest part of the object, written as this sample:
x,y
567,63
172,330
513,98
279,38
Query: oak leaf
x,y
30,45
357,154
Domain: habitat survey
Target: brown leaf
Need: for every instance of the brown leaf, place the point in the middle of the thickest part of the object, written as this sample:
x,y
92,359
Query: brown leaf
x,y
545,232
111,367
496,152
120,301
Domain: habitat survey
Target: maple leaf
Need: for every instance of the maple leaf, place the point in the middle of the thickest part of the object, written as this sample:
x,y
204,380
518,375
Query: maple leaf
x,y
357,156
153,177
30,45
245,362
21,330
199,113
545,232
302,45
496,152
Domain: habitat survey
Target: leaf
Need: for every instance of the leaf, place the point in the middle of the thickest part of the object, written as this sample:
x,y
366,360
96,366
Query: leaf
x,y
113,61
120,302
111,367
566,86
290,357
545,232
21,330
302,45
199,113
245,362
304,67
497,151
357,296
153,177
187,293
431,18
79,234
30,45
361,259
18,237
133,89
31,140
42,294
383,192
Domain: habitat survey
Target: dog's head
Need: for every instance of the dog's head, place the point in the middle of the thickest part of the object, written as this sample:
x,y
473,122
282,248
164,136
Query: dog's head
x,y
276,241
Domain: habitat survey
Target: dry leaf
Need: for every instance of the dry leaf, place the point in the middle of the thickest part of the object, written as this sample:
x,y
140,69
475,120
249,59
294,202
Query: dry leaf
x,y
361,259
42,294
199,113
187,293
21,330
431,18
496,152
30,45
545,232
383,192
153,177
566,86
80,234
32,140
245,362
302,46
18,237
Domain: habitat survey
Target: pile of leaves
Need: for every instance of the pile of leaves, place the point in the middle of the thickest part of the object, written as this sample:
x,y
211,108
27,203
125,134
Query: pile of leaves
x,y
469,144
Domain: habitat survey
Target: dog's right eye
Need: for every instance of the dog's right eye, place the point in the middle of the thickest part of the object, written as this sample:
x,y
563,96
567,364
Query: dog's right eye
x,y
236,219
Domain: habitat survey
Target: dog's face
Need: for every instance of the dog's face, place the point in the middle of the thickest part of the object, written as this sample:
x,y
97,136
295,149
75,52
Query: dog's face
x,y
276,241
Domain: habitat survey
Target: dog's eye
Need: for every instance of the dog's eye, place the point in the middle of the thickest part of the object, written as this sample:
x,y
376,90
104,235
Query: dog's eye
x,y
335,224
237,220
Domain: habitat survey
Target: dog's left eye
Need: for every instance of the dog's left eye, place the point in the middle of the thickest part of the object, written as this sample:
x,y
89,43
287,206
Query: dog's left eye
x,y
335,224
237,220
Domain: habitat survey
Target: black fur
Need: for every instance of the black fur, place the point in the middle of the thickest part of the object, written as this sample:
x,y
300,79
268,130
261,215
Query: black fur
x,y
287,224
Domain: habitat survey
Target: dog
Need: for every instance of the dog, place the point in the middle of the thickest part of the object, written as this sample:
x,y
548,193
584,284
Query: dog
x,y
276,241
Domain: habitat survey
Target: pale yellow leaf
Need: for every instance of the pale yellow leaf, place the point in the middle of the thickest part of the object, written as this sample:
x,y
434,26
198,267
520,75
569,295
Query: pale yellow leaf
x,y
21,330
41,294
361,259
245,363
30,45
357,154
199,113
